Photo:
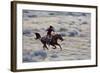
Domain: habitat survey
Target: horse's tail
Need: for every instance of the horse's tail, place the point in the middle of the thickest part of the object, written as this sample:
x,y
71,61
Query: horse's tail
x,y
38,36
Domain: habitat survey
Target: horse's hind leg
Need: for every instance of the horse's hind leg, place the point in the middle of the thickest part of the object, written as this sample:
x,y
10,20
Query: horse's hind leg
x,y
45,46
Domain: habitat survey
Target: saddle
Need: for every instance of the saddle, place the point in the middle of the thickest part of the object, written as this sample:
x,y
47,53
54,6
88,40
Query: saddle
x,y
49,38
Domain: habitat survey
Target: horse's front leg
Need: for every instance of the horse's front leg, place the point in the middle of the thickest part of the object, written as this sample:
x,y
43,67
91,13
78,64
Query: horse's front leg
x,y
59,46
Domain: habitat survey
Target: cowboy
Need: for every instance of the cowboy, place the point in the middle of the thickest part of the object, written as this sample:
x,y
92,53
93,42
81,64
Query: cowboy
x,y
49,33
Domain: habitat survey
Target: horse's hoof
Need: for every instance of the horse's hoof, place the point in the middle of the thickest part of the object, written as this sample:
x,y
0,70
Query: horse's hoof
x,y
54,48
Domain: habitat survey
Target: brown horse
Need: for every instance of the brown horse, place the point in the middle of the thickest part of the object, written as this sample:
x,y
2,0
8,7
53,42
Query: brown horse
x,y
53,41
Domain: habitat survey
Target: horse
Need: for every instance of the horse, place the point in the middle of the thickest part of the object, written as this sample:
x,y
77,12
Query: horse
x,y
53,41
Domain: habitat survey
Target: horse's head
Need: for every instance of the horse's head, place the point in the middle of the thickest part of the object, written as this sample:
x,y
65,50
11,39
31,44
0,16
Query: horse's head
x,y
59,37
